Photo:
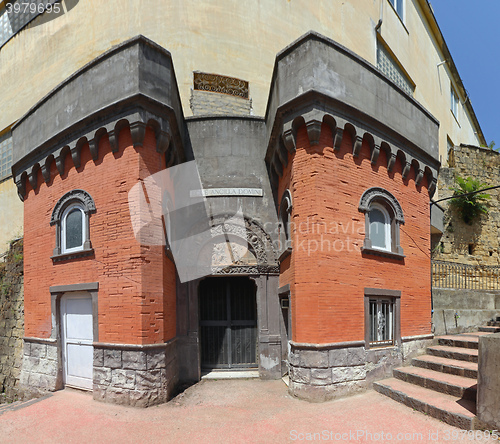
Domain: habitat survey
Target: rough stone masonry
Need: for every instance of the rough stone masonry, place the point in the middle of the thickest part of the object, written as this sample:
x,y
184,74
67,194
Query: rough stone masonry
x,y
11,322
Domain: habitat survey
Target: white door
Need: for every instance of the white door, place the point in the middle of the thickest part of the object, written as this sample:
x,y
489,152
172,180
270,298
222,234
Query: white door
x,y
77,338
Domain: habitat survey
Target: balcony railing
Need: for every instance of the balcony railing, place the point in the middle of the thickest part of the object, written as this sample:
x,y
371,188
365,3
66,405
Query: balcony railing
x,y
464,276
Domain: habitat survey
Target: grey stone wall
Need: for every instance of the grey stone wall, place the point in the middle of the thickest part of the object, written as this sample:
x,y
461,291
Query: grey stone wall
x,y
204,103
488,381
41,370
137,376
11,322
460,311
329,372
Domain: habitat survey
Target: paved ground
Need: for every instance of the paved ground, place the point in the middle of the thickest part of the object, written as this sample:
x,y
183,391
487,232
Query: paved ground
x,y
221,411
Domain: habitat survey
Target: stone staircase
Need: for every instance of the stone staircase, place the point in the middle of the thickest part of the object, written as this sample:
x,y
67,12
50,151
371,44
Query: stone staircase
x,y
441,383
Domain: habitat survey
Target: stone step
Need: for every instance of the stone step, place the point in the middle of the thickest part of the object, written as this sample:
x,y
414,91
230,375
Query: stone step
x,y
459,353
475,334
445,365
446,383
452,410
463,341
489,329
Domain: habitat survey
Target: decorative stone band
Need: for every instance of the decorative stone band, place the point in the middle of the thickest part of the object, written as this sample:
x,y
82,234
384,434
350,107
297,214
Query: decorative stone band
x,y
70,143
110,345
417,338
40,340
313,119
319,372
248,270
311,346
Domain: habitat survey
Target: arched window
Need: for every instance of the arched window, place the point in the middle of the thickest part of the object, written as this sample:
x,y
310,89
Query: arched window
x,y
383,216
73,230
380,227
285,235
71,216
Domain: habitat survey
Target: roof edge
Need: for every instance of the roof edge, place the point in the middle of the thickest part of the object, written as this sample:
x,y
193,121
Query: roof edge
x,y
429,14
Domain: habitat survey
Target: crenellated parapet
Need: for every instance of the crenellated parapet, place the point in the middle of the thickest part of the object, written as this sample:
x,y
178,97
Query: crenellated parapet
x,y
136,122
336,88
132,86
313,120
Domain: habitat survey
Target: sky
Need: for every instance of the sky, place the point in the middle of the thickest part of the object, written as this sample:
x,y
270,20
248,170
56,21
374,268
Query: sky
x,y
471,29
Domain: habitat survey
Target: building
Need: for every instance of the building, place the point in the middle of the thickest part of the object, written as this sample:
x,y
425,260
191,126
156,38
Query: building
x,y
317,132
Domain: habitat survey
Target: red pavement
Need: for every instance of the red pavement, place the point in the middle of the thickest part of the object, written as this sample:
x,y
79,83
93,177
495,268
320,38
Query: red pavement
x,y
223,411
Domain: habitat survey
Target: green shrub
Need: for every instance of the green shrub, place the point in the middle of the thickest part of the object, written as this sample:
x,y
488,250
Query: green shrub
x,y
469,207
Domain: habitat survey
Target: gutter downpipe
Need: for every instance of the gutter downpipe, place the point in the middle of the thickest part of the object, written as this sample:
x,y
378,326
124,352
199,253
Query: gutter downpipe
x,y
381,19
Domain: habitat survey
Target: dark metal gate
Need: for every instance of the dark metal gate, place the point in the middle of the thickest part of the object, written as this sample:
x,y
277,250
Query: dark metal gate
x,y
228,323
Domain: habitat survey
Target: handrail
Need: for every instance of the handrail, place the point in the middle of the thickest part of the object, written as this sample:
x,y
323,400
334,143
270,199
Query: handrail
x,y
465,276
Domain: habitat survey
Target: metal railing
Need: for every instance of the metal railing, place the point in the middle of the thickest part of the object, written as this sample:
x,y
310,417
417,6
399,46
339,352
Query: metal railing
x,y
464,276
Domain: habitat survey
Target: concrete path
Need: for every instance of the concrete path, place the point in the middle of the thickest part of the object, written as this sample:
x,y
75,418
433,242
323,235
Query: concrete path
x,y
222,411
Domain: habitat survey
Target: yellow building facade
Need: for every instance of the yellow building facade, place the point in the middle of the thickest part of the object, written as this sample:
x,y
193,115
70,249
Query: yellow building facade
x,y
229,38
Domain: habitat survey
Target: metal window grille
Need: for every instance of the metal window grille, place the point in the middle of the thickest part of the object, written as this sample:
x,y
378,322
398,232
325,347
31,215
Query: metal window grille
x,y
5,28
381,322
5,155
387,64
13,22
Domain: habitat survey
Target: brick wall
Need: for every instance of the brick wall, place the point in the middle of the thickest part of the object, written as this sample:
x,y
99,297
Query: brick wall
x,y
136,301
326,268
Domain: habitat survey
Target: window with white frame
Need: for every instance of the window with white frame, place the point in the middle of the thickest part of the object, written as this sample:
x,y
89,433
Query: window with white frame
x,y
398,6
454,102
380,227
383,217
71,217
73,229
5,155
382,317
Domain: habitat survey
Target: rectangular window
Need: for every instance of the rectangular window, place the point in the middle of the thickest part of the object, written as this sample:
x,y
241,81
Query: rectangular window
x,y
390,67
451,153
454,102
5,155
5,27
381,322
398,6
382,314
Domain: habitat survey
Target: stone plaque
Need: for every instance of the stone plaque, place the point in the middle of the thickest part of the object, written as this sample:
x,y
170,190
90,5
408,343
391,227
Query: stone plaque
x,y
216,192
220,84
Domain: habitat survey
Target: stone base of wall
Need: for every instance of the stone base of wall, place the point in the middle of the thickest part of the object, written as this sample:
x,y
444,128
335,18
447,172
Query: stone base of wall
x,y
41,371
139,376
324,372
488,381
11,322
